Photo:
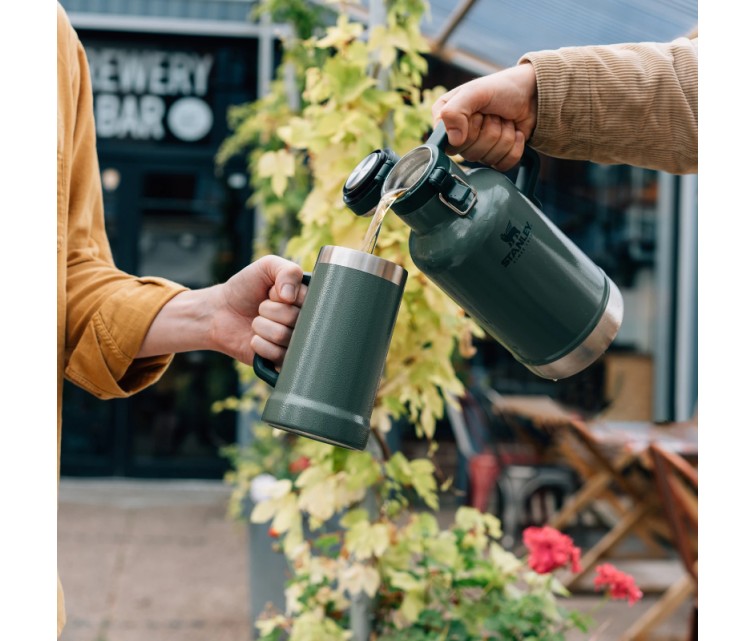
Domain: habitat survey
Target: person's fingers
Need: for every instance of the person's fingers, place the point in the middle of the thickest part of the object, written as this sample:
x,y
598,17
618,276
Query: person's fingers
x,y
441,102
456,123
274,295
458,106
271,331
488,138
474,127
515,153
267,350
502,147
288,282
279,312
284,275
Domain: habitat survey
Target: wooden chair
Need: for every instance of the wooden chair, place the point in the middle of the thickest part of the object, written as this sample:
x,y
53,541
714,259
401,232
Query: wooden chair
x,y
605,488
615,473
526,488
677,485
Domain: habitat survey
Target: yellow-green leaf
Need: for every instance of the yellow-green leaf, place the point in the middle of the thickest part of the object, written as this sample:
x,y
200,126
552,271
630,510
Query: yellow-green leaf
x,y
364,540
504,560
344,32
279,167
412,605
358,577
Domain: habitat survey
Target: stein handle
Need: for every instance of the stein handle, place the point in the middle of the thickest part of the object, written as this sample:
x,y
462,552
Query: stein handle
x,y
263,367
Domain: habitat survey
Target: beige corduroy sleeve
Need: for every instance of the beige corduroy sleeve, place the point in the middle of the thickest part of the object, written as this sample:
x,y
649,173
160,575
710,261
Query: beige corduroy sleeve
x,y
634,104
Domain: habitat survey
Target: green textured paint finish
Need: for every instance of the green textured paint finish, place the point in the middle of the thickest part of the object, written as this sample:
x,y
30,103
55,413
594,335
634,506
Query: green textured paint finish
x,y
510,268
330,375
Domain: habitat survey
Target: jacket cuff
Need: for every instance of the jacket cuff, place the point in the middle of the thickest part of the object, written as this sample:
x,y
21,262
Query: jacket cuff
x,y
556,85
103,361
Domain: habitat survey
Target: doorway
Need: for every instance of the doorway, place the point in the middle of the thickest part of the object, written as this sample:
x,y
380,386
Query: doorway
x,y
174,216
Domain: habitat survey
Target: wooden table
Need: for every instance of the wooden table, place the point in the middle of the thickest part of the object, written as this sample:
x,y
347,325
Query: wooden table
x,y
635,436
611,458
614,460
619,453
542,411
677,484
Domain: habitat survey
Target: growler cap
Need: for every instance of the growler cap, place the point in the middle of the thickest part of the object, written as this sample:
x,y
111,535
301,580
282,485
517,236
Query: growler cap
x,y
362,190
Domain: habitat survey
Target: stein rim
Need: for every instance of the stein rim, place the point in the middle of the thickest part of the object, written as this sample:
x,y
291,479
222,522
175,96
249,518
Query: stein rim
x,y
364,262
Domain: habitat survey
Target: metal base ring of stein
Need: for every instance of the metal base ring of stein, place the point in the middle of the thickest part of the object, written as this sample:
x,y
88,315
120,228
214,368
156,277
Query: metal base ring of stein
x,y
484,241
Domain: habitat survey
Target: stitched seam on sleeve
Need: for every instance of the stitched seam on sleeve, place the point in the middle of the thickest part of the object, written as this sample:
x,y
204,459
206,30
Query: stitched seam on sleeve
x,y
84,382
104,335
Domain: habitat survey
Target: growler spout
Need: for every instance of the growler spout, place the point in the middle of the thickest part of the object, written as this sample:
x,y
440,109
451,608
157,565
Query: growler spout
x,y
428,177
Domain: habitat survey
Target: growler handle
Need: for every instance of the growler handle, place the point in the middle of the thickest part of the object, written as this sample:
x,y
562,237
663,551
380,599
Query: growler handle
x,y
530,162
527,176
263,367
439,138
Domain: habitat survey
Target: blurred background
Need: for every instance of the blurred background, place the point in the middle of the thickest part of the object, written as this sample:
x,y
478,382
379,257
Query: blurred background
x,y
164,74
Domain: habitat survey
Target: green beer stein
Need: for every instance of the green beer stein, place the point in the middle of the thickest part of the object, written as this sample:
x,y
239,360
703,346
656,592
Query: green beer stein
x,y
329,378
484,241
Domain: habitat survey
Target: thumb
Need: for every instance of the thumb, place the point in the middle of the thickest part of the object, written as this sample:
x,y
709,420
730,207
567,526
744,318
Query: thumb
x,y
285,275
456,123
458,106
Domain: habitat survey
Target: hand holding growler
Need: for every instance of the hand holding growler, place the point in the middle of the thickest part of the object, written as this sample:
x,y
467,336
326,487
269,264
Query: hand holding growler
x,y
484,241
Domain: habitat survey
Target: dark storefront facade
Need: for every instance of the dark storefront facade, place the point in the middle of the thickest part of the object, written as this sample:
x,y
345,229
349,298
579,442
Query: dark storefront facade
x,y
162,88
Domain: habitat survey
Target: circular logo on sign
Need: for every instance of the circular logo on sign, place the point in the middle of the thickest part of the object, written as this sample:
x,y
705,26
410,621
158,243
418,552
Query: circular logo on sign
x,y
190,119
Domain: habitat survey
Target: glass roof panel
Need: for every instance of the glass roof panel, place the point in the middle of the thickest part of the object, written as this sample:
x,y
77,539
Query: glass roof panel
x,y
500,31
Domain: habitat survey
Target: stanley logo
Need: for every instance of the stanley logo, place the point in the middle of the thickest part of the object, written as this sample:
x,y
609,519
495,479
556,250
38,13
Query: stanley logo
x,y
517,241
510,234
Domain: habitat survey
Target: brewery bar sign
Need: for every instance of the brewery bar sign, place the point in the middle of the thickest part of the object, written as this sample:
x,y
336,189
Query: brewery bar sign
x,y
151,94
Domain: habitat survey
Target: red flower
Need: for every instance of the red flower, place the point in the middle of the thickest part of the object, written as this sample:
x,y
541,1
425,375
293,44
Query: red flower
x,y
550,549
621,585
301,464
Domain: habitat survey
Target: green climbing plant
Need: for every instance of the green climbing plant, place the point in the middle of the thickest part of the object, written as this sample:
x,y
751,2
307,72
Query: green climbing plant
x,y
342,91
356,90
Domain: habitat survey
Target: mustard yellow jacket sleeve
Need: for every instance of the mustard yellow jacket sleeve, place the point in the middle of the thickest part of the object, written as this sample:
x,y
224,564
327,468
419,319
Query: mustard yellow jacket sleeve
x,y
103,313
634,104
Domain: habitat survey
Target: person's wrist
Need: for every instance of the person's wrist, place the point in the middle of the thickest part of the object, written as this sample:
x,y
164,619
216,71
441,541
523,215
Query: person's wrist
x,y
212,336
529,85
194,319
183,324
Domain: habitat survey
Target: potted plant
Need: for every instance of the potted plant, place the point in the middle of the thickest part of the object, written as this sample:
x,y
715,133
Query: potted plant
x,y
420,581
269,457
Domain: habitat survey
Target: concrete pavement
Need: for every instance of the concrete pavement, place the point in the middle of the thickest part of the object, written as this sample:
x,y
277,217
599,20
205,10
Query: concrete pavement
x,y
160,561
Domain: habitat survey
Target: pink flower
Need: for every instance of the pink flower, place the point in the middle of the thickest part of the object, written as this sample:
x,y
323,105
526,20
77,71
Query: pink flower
x,y
621,585
550,549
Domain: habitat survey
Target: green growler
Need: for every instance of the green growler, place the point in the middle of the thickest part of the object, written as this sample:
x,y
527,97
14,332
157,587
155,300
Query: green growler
x,y
484,241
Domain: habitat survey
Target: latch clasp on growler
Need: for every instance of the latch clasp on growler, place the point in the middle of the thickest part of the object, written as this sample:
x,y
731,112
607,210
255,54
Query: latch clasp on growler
x,y
454,192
